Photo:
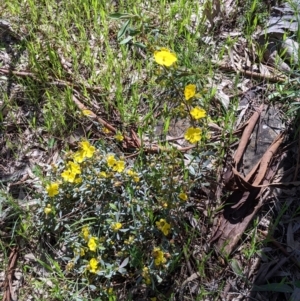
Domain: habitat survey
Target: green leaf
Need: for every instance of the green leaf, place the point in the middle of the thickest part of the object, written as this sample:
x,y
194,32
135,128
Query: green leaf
x,y
118,16
123,29
126,40
167,124
141,45
113,206
236,267
273,287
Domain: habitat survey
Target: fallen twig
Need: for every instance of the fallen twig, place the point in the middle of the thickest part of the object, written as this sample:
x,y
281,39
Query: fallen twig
x,y
275,79
7,287
246,135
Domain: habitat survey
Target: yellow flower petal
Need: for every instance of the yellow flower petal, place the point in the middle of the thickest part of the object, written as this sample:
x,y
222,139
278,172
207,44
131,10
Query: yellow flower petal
x,y
198,113
119,166
165,57
158,255
189,91
193,135
93,265
85,233
52,189
119,137
163,226
87,148
116,227
111,160
92,244
87,113
48,209
183,196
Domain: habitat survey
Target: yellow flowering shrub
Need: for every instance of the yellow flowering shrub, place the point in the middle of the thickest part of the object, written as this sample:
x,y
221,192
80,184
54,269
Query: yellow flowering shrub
x,y
111,202
118,216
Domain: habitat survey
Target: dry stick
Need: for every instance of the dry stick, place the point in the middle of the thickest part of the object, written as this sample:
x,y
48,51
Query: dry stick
x,y
275,79
246,135
135,141
8,281
265,160
82,107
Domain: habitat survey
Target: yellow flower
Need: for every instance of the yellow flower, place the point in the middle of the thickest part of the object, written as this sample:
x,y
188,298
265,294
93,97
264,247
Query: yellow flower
x,y
93,265
189,91
198,113
87,148
82,252
146,275
85,233
92,244
119,166
68,175
48,209
165,57
129,240
119,137
106,130
74,168
111,160
52,189
103,174
116,227
70,266
134,175
158,255
183,196
193,135
79,156
163,226
87,113
78,180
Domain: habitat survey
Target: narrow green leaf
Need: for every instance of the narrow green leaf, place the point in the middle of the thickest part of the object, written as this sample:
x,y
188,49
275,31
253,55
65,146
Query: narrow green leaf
x,y
126,40
119,16
123,29
274,287
113,206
